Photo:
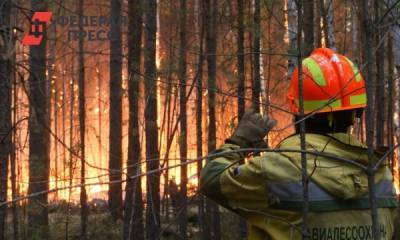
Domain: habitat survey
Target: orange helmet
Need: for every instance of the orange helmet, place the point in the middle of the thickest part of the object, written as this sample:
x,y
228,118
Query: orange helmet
x,y
331,82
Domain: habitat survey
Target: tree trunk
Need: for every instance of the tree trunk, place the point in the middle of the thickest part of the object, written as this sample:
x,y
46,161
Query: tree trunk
x,y
115,143
292,34
355,38
308,26
38,137
152,154
380,81
326,9
64,122
13,149
395,31
304,171
211,50
369,82
241,61
395,54
256,88
390,102
183,120
199,114
133,215
82,125
13,160
5,108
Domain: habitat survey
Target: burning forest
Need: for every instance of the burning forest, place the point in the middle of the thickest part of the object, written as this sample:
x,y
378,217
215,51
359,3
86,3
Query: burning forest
x,y
161,119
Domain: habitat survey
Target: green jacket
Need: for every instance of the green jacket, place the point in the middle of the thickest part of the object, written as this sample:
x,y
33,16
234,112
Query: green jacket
x,y
268,191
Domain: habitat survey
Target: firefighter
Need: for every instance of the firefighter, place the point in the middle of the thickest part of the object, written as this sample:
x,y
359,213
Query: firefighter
x,y
267,190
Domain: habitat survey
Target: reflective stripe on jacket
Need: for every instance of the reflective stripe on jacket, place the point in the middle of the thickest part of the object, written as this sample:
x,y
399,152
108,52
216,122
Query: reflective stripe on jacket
x,y
268,191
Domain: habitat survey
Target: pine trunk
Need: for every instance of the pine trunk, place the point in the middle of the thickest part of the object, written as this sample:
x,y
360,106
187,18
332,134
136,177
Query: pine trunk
x,y
292,35
326,8
13,160
355,37
241,60
183,120
199,113
115,137
133,215
5,109
82,126
256,88
152,154
308,26
369,115
211,50
39,138
380,81
13,149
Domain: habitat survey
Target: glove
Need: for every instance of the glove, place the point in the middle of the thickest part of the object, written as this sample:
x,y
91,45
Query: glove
x,y
251,130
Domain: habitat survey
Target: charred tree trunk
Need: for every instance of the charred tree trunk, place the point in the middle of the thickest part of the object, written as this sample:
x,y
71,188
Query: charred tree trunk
x,y
5,106
199,113
256,88
133,215
152,154
305,180
380,80
317,25
370,82
308,27
211,50
82,125
183,120
39,138
240,60
292,35
115,143
13,157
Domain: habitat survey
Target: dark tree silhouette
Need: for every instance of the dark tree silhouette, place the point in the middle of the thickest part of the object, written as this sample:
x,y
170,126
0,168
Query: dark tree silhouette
x,y
152,154
115,143
82,123
183,119
133,215
211,50
256,88
240,60
39,158
5,107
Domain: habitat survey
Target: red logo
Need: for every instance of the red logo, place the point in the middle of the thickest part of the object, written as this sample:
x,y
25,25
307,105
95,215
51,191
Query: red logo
x,y
38,27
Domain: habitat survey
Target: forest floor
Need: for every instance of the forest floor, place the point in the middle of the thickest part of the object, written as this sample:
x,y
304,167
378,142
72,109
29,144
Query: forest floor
x,y
102,226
